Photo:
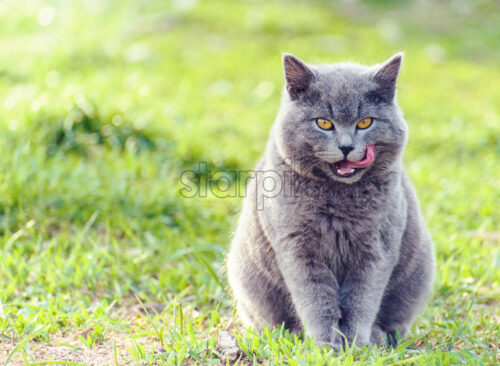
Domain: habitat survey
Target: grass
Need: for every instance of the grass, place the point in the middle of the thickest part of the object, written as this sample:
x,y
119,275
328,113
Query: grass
x,y
105,104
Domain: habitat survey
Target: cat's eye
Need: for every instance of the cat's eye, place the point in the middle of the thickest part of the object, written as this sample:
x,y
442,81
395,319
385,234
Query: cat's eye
x,y
324,124
364,123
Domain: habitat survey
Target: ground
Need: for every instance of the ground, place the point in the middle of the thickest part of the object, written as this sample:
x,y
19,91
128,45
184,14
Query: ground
x,y
104,259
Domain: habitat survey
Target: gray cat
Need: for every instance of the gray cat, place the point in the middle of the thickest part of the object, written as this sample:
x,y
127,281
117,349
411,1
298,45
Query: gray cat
x,y
330,238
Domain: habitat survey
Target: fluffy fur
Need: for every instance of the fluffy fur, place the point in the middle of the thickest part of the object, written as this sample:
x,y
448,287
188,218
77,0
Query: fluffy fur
x,y
326,253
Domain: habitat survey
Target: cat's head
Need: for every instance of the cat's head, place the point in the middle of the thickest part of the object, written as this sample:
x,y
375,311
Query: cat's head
x,y
340,122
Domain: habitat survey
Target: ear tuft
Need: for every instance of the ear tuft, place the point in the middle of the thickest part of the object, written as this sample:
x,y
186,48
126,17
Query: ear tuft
x,y
298,75
386,76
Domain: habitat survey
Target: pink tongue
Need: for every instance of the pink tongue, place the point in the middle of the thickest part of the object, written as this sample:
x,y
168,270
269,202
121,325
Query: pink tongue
x,y
345,166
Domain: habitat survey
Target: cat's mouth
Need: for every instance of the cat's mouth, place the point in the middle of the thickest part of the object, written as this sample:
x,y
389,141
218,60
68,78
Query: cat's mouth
x,y
346,168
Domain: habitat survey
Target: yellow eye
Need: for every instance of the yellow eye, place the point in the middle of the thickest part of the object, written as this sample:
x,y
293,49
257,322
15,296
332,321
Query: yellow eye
x,y
324,124
364,123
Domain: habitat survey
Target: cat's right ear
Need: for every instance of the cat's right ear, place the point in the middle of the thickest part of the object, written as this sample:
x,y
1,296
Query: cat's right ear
x,y
298,75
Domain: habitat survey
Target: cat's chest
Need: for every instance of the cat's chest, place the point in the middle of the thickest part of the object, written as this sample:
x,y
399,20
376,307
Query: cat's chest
x,y
351,220
347,240
351,207
345,224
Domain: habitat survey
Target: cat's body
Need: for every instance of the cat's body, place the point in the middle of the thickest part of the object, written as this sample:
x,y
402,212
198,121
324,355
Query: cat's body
x,y
338,247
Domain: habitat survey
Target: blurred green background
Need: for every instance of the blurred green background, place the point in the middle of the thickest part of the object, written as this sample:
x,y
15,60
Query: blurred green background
x,y
103,104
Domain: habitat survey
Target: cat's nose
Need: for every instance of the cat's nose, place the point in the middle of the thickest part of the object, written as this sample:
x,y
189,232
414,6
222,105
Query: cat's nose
x,y
346,149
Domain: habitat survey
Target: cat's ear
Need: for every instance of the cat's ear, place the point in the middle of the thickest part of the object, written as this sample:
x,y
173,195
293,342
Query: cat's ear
x,y
386,76
298,75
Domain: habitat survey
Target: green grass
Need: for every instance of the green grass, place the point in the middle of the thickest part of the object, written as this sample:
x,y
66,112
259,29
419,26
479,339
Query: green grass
x,y
106,105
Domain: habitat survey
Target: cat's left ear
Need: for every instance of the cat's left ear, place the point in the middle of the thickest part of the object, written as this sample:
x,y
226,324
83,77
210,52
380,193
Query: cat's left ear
x,y
386,76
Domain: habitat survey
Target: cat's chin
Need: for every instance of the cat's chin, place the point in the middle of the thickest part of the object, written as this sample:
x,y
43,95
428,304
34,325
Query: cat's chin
x,y
342,173
328,173
347,177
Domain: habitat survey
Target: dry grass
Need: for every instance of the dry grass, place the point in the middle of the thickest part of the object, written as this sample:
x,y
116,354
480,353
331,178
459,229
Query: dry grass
x,y
114,350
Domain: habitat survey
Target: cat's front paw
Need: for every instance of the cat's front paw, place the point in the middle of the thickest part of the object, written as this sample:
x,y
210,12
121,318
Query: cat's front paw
x,y
334,341
335,345
378,336
357,336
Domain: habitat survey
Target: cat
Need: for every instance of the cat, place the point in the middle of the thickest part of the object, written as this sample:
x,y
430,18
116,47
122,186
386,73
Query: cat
x,y
341,251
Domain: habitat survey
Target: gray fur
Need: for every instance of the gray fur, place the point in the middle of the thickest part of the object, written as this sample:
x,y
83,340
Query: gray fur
x,y
330,253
